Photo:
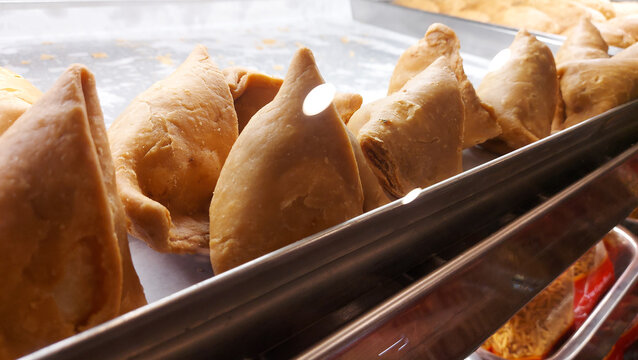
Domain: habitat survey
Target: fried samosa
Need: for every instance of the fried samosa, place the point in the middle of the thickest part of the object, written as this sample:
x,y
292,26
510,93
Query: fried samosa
x,y
16,96
583,42
629,53
373,194
438,41
168,147
412,138
64,255
591,87
347,104
251,90
523,93
288,175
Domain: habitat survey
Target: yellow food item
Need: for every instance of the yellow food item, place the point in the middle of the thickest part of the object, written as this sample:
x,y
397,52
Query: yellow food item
x,y
523,93
535,329
64,255
16,96
288,175
412,137
591,87
440,40
168,147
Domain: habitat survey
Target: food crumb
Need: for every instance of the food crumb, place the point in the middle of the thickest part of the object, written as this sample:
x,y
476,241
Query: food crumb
x,y
278,67
269,41
201,270
25,62
99,55
299,45
283,28
47,57
258,47
351,53
165,59
47,43
230,62
345,40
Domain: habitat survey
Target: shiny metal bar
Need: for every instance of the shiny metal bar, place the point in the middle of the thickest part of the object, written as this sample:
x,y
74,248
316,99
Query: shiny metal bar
x,y
450,312
280,304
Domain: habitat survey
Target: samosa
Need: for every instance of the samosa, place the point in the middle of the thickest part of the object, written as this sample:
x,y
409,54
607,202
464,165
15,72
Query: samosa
x,y
251,90
16,95
288,175
583,42
413,137
168,147
629,53
440,40
64,255
591,87
523,92
347,104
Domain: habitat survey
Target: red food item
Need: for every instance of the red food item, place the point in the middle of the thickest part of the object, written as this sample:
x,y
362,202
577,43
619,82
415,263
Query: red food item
x,y
589,288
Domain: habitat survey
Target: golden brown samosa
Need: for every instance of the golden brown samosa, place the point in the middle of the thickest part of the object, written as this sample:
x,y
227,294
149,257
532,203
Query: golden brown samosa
x,y
251,90
373,194
583,42
16,96
64,254
629,53
412,138
591,87
289,175
438,41
347,104
168,147
523,93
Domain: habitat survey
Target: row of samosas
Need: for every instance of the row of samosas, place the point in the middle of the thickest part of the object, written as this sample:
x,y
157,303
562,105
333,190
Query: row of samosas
x,y
617,21
70,190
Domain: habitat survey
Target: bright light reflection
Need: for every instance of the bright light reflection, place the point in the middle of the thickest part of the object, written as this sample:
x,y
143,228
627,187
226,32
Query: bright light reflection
x,y
499,60
318,99
409,197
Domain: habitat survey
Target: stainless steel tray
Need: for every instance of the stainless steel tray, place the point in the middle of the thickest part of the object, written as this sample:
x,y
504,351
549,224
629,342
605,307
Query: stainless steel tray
x,y
597,327
280,304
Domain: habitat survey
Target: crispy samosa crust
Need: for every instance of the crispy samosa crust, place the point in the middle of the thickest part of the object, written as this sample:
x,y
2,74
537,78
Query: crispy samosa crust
x,y
438,41
373,194
16,96
64,254
347,104
629,53
591,87
288,176
583,42
168,147
251,90
523,93
412,138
